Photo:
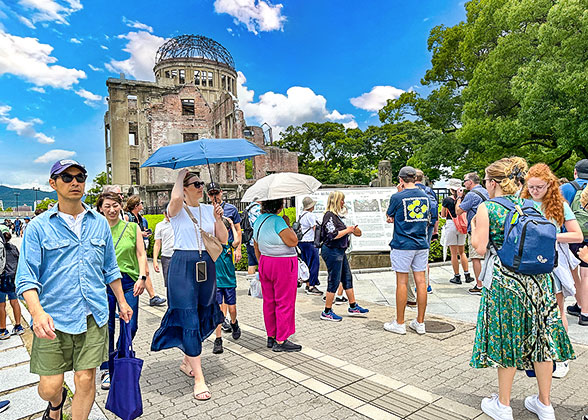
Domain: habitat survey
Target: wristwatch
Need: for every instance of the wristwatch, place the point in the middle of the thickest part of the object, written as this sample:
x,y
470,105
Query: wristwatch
x,y
144,278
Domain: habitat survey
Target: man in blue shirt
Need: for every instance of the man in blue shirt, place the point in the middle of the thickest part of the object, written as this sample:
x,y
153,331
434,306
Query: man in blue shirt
x,y
409,210
580,308
67,259
469,205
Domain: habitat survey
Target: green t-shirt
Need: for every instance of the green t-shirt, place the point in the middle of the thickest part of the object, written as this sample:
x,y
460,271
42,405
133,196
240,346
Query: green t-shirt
x,y
126,250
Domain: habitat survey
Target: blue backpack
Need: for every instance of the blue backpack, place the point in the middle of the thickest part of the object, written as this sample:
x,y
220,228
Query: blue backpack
x,y
529,245
433,202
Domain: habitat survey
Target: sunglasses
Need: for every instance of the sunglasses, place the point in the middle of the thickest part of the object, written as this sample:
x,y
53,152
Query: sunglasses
x,y
197,184
67,178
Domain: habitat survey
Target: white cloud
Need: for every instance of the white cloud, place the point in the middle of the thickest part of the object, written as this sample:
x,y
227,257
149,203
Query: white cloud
x,y
91,99
95,68
299,105
104,47
137,25
142,47
26,22
256,15
376,99
55,155
23,128
38,89
29,59
75,41
51,10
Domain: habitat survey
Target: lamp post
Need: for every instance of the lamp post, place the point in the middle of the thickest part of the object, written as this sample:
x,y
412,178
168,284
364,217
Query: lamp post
x,y
36,189
16,197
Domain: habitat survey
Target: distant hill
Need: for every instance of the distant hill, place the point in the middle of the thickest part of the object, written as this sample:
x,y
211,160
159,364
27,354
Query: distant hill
x,y
26,196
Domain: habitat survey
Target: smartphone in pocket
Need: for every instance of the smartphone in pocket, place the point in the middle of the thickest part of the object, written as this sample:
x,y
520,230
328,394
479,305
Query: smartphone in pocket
x,y
201,271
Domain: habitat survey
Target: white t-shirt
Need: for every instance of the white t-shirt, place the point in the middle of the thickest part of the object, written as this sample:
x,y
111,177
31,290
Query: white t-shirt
x,y
307,222
74,223
165,232
185,231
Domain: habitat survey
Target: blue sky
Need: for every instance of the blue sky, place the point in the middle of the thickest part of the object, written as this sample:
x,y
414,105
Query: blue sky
x,y
298,61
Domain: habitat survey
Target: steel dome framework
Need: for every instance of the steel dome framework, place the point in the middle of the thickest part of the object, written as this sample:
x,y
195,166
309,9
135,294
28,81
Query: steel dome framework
x,y
194,46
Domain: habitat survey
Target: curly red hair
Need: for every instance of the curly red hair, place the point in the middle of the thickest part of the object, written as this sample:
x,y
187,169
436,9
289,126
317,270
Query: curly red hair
x,y
552,204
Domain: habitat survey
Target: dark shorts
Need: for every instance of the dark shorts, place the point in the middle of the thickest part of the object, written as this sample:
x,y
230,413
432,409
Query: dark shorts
x,y
251,258
338,268
228,293
575,248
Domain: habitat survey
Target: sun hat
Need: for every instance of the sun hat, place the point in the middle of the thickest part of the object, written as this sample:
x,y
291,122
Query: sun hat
x,y
308,203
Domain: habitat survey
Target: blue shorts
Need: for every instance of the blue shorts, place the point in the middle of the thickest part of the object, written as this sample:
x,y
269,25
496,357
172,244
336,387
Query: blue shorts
x,y
11,296
228,293
251,258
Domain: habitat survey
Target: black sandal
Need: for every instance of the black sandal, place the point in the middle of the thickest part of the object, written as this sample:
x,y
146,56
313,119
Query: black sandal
x,y
58,408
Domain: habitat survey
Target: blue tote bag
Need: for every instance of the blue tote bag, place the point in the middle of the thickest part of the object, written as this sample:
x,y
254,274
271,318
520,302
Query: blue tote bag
x,y
124,397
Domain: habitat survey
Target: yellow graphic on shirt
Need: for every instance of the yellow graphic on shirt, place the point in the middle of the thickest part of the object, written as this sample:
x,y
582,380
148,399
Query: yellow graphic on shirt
x,y
416,209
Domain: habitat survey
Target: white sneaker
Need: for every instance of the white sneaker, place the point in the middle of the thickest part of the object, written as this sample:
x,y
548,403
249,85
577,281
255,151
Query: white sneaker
x,y
419,327
544,412
495,409
395,327
561,369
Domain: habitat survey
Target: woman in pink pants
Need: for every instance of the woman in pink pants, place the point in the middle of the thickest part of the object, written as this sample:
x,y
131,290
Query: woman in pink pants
x,y
274,243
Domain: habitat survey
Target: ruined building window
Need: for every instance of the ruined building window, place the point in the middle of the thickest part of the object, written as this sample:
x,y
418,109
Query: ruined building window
x,y
224,82
109,172
167,75
187,106
174,74
210,79
134,173
107,135
190,137
203,78
182,76
133,137
197,77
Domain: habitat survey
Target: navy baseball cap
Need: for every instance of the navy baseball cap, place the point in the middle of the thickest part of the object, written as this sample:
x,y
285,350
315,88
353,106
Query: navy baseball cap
x,y
61,165
213,188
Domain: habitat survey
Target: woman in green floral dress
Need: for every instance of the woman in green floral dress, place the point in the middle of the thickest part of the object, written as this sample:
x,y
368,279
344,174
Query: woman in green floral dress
x,y
519,325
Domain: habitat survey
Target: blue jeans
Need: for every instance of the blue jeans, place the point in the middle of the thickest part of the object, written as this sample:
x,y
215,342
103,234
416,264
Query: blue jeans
x,y
128,285
310,255
338,268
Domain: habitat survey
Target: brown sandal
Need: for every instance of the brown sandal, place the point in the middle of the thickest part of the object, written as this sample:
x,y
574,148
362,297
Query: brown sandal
x,y
58,408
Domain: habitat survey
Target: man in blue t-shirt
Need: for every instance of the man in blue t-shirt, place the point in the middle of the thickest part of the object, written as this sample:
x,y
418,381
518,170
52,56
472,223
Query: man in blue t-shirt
x,y
409,210
469,205
580,308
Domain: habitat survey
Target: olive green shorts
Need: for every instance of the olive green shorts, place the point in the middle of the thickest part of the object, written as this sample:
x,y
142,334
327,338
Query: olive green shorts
x,y
70,351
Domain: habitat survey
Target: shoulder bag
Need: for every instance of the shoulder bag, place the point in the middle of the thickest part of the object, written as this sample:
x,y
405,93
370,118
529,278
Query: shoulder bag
x,y
213,245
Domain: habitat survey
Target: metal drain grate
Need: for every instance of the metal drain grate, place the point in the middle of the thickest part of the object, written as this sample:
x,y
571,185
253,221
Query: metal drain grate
x,y
432,412
366,390
399,404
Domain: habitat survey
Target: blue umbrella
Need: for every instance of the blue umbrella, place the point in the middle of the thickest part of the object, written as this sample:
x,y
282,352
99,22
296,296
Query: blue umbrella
x,y
203,152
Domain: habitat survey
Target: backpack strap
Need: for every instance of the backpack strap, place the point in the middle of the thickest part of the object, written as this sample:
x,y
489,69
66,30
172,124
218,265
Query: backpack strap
x,y
259,230
121,234
576,186
479,194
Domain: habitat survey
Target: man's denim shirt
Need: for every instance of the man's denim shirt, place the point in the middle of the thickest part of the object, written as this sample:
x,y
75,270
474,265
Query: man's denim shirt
x,y
70,274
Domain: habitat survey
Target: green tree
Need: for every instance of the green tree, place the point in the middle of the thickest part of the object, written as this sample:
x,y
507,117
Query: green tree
x,y
44,205
92,194
511,79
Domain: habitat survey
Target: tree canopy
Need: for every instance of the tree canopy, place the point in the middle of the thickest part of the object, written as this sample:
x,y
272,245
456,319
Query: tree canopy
x,y
512,79
509,80
92,194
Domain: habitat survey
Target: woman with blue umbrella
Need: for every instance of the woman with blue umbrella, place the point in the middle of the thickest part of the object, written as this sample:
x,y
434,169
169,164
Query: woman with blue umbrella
x,y
193,312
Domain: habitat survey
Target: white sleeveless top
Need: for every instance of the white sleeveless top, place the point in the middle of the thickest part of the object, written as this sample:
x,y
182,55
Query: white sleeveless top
x,y
184,229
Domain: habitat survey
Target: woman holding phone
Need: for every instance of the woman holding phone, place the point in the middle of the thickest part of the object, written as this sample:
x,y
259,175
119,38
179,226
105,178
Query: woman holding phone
x,y
193,312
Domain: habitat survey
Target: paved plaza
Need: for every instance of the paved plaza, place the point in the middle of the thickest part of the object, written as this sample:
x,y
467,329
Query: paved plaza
x,y
348,370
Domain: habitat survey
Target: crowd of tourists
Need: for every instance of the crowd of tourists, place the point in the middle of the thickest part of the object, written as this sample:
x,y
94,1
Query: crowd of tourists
x,y
80,269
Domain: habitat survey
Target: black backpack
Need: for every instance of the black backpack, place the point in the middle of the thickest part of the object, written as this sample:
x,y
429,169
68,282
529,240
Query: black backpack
x,y
297,227
246,228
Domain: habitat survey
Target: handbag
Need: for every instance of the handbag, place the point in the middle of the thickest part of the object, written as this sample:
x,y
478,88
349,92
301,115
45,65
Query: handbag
x,y
124,397
213,245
